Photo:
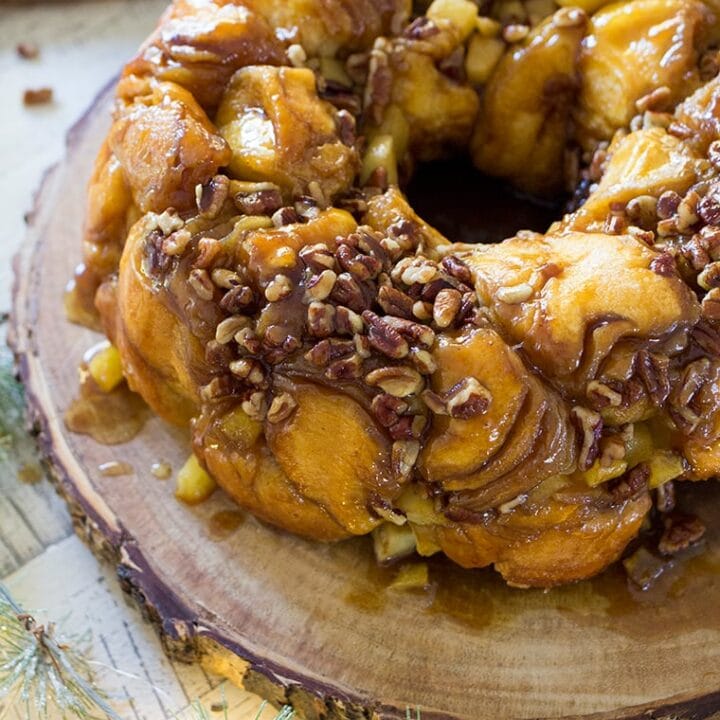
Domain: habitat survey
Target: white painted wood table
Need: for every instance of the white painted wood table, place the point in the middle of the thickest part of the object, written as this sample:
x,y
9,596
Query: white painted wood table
x,y
82,46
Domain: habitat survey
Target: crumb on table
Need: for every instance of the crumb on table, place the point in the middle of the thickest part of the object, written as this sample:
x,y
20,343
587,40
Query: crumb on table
x,y
27,50
37,96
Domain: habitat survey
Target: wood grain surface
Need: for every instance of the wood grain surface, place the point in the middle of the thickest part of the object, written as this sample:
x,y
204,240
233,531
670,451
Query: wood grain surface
x,y
316,625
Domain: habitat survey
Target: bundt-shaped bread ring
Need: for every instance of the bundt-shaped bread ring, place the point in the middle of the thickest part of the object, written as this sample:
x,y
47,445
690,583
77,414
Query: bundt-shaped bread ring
x,y
347,369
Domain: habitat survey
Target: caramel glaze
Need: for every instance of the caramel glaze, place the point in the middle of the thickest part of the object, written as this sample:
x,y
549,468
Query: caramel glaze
x,y
110,418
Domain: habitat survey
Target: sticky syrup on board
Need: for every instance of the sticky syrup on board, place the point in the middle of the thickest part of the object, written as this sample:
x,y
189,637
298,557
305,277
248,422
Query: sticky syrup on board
x,y
477,599
109,418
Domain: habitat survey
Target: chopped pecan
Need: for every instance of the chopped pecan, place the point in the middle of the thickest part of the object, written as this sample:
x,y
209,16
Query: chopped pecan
x,y
259,202
201,283
467,399
218,355
430,291
388,409
468,309
711,305
370,242
219,387
435,402
224,278
681,531
347,322
349,292
709,207
176,243
652,370
603,395
590,425
363,267
404,456
707,337
285,216
278,288
327,351
630,485
455,267
281,408
405,428
318,257
413,331
694,376
695,250
422,28
664,265
709,278
397,380
379,84
238,300
211,197
320,319
207,250
320,286
228,328
446,307
362,346
395,302
255,406
346,126
346,369
248,341
423,361
420,270
383,338
665,497
247,369
667,204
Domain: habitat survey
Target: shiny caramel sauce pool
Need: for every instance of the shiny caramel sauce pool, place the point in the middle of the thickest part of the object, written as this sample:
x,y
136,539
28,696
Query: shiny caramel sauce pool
x,y
477,599
224,523
109,418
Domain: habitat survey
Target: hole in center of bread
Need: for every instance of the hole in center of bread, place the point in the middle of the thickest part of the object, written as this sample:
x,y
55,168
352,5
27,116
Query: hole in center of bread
x,y
467,206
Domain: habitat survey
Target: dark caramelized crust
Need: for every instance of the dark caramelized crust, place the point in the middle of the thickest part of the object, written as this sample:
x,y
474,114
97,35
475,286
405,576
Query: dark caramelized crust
x,y
344,367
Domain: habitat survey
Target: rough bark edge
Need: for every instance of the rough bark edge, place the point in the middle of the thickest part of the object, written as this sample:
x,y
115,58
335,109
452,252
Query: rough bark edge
x,y
181,633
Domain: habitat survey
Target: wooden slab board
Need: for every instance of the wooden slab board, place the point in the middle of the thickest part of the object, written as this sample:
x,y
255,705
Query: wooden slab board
x,y
315,625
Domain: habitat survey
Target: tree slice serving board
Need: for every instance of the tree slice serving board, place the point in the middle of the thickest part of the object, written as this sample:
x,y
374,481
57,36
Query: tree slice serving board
x,y
316,625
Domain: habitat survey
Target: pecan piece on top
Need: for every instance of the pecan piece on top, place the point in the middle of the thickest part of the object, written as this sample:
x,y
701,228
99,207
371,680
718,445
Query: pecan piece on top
x,y
467,399
384,338
395,302
211,197
653,371
630,485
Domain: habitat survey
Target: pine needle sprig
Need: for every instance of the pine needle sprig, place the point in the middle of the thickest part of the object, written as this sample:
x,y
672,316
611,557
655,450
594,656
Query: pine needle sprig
x,y
41,673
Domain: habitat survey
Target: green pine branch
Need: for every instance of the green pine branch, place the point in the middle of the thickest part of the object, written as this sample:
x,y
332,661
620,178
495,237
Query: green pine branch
x,y
44,675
